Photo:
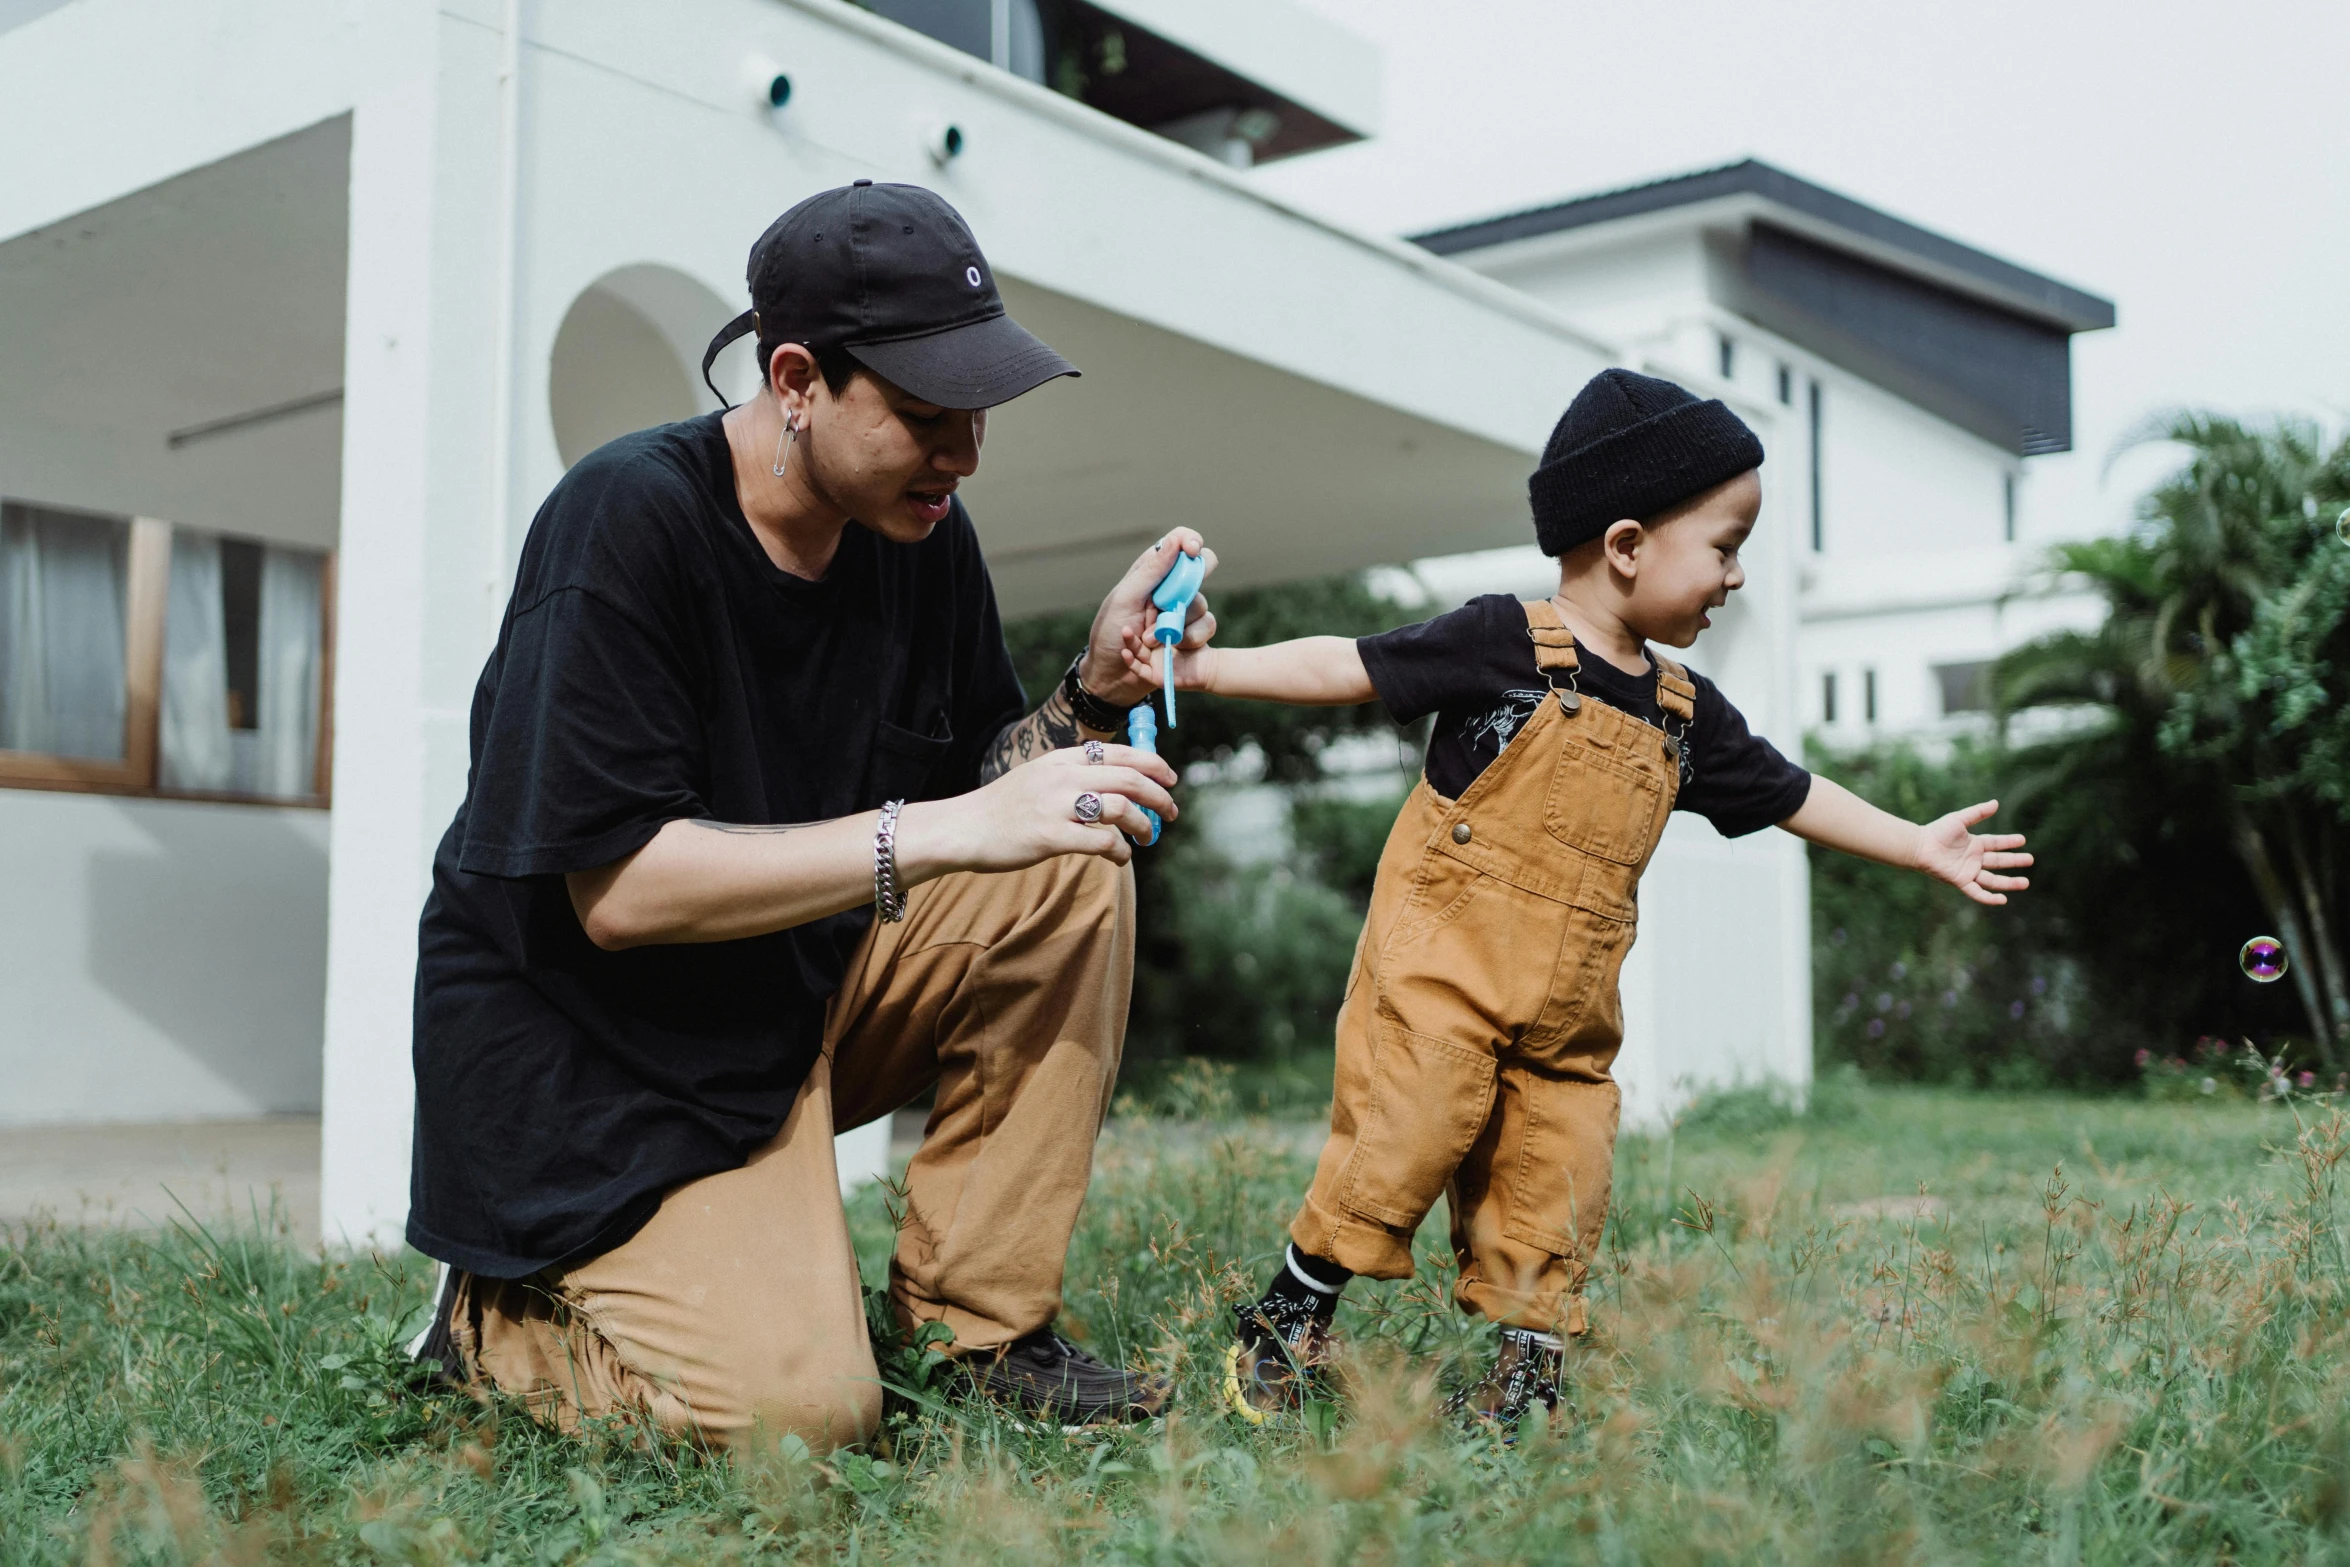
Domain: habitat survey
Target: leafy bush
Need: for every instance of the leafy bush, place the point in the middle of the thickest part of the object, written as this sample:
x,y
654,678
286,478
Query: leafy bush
x,y
1247,963
2126,941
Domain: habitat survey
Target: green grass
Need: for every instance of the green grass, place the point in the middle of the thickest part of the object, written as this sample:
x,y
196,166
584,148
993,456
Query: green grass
x,y
2115,1333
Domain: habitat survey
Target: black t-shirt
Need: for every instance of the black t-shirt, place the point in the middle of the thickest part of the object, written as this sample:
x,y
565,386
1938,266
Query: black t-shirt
x,y
1474,669
655,664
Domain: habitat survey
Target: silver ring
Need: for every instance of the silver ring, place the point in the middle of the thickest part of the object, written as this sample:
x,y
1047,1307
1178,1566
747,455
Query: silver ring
x,y
1089,807
1096,753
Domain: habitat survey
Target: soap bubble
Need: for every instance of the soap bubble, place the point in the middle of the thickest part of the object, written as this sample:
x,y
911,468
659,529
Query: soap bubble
x,y
2263,960
2342,526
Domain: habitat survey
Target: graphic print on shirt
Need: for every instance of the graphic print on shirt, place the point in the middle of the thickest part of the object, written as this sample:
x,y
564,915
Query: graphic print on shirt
x,y
1502,722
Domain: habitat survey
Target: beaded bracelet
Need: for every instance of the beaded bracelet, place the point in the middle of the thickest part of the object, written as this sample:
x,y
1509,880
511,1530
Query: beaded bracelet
x,y
889,903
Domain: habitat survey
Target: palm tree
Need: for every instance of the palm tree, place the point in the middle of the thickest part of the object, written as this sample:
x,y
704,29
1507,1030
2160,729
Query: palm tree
x,y
2219,675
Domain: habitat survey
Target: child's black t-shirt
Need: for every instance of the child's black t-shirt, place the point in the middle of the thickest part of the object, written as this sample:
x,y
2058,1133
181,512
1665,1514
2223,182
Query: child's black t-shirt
x,y
1474,669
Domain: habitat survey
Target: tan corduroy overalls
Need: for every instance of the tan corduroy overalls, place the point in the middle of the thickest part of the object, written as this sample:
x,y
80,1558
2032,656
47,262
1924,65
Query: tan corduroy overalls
x,y
1482,1016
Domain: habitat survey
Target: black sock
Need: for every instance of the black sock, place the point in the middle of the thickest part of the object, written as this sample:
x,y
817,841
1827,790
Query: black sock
x,y
1308,1280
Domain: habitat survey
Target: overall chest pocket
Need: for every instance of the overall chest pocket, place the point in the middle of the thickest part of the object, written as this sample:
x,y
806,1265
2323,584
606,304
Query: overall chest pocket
x,y
1604,803
904,762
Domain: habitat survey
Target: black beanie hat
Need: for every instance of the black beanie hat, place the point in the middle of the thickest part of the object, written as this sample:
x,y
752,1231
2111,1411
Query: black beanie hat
x,y
1631,446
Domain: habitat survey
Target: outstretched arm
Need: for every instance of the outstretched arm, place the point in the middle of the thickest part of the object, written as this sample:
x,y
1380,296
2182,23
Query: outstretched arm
x,y
1309,671
1833,817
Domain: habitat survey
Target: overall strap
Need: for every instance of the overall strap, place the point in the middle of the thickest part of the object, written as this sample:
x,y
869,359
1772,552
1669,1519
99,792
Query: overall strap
x,y
1674,691
1554,644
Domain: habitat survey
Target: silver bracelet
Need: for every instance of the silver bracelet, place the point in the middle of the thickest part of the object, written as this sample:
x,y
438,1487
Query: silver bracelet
x,y
888,901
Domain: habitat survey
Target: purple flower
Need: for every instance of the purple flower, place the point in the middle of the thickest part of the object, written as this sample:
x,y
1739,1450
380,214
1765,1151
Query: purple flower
x,y
1901,971
2305,1080
1949,999
1876,1028
2015,1008
2142,1057
1851,1000
2039,986
1884,999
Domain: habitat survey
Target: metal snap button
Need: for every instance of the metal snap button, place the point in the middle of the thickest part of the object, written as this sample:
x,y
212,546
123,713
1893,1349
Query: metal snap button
x,y
1460,832
1569,701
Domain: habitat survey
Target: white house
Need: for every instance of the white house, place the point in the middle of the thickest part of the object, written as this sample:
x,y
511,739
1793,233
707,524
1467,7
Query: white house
x,y
304,304
1917,377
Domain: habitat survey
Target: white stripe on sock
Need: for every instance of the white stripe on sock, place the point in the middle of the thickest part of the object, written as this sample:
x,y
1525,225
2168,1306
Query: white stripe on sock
x,y
1305,1278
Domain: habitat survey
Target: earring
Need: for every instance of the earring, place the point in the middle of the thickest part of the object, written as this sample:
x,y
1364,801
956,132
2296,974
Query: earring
x,y
791,432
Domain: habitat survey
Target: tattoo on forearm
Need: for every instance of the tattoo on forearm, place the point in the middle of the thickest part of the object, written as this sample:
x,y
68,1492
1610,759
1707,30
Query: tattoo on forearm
x,y
756,829
1051,727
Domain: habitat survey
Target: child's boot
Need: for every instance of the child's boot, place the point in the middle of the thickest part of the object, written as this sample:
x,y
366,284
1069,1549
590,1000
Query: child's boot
x,y
1283,1340
1527,1370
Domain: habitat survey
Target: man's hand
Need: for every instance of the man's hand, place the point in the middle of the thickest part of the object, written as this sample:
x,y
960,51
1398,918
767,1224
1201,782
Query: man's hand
x,y
1128,609
1969,861
1029,814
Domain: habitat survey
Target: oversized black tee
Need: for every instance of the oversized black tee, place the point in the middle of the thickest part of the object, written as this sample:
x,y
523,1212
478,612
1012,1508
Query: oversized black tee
x,y
654,664
1474,669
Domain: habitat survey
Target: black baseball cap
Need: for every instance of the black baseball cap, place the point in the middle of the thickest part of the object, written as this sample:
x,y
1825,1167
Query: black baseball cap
x,y
891,274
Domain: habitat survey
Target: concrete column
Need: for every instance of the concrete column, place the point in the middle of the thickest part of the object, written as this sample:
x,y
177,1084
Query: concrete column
x,y
413,594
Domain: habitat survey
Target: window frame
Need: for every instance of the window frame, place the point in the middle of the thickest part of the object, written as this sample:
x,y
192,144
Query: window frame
x,y
146,601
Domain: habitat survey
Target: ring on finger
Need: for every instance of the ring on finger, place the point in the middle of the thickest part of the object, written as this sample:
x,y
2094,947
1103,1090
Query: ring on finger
x,y
1096,753
1089,807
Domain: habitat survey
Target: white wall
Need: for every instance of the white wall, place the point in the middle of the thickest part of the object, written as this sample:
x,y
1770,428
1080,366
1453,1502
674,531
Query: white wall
x,y
159,960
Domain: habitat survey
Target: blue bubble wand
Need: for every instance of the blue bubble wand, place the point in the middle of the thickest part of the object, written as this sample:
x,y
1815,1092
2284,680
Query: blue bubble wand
x,y
1172,597
1142,733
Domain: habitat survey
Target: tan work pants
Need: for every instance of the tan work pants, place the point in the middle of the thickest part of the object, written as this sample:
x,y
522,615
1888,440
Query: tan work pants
x,y
737,1308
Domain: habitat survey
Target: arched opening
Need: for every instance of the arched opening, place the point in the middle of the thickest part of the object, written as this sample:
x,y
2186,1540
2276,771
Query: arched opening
x,y
628,356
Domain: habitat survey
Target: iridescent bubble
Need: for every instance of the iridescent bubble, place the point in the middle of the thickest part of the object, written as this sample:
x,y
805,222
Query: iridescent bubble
x,y
2263,960
2342,526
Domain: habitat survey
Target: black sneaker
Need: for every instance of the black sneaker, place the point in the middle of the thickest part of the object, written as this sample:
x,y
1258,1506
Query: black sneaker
x,y
1280,1357
1527,1370
1046,1375
434,1351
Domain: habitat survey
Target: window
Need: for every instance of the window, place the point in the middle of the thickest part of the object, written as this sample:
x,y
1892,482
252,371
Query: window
x,y
1786,386
2007,491
1818,512
1966,688
1728,350
141,658
1828,697
1868,696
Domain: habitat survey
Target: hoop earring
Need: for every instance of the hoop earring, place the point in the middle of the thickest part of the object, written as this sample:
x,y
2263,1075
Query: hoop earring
x,y
791,432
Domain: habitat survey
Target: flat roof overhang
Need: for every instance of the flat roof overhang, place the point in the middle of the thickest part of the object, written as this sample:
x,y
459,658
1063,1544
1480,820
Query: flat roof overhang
x,y
1313,397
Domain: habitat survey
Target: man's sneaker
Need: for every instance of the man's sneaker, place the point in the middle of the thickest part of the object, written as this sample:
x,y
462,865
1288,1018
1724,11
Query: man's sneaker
x,y
1046,1375
435,1349
1527,1370
1280,1357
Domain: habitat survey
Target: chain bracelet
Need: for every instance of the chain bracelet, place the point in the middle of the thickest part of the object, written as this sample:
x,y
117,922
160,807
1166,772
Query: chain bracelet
x,y
889,903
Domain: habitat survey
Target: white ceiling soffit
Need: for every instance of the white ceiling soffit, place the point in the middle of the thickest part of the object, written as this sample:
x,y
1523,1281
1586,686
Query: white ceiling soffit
x,y
1286,476
1279,44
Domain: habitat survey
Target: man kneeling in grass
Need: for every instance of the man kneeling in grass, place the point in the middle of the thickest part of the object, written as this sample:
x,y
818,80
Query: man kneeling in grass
x,y
645,1000
1479,1026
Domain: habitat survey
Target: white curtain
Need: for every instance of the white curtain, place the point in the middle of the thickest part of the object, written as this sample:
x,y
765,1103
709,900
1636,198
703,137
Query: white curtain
x,y
63,690
193,750
286,748
276,757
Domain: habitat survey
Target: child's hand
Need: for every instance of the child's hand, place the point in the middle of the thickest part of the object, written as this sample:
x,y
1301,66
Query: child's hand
x,y
1194,667
1971,862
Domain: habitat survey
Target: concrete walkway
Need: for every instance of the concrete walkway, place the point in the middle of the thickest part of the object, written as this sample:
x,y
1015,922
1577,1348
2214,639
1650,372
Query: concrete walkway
x,y
131,1175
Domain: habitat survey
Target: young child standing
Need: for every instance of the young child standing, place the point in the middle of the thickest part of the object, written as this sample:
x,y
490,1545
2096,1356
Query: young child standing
x,y
1482,1016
